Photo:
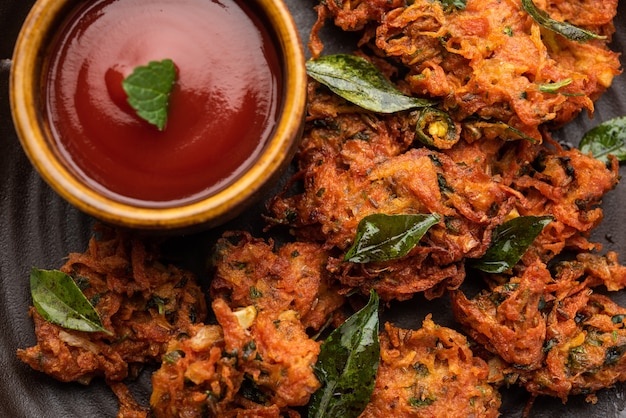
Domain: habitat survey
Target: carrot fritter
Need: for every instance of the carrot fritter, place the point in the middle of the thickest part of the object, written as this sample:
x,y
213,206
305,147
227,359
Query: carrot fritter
x,y
489,58
292,277
430,372
143,302
354,163
569,186
585,345
554,334
507,320
290,290
259,360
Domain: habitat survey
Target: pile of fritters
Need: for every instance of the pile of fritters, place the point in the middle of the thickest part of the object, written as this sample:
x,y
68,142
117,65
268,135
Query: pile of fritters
x,y
141,301
489,59
353,163
505,81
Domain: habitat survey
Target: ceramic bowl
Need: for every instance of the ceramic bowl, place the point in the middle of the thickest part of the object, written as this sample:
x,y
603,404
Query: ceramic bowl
x,y
28,65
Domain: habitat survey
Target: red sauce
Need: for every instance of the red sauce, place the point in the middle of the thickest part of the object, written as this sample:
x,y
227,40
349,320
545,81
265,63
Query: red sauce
x,y
223,107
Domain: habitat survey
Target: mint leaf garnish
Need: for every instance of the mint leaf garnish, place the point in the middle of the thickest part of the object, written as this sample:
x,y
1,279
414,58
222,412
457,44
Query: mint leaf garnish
x,y
148,89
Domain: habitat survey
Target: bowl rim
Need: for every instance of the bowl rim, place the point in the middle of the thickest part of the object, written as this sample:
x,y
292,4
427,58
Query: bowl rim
x,y
25,78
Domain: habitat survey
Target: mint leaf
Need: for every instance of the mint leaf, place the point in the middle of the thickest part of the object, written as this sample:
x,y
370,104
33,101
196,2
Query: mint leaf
x,y
148,89
59,300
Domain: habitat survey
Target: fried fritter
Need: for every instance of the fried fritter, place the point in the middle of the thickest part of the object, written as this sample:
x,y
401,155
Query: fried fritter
x,y
430,372
290,290
291,277
500,65
354,163
555,335
585,346
507,320
259,360
198,377
143,302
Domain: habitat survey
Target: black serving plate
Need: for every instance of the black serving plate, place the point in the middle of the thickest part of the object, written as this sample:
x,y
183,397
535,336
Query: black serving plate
x,y
38,228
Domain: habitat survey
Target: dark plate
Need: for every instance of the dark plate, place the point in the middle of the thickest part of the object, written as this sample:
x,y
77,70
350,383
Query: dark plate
x,y
37,228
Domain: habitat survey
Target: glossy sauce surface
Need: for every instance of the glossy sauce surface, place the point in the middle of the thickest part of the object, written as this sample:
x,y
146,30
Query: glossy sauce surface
x,y
223,107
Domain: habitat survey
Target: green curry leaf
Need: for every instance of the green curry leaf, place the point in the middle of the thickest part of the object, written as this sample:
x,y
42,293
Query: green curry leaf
x,y
359,81
347,365
58,299
569,31
148,89
382,237
608,138
510,242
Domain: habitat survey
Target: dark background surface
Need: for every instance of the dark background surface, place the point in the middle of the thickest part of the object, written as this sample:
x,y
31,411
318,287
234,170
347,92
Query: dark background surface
x,y
37,228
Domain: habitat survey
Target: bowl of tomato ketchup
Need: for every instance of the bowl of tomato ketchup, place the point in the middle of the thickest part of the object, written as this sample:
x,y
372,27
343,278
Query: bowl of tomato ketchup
x,y
233,108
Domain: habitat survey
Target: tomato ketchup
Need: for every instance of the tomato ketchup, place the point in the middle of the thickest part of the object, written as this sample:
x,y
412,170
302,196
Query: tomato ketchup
x,y
222,108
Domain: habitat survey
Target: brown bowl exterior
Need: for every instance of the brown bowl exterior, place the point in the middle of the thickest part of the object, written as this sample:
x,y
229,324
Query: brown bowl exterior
x,y
28,65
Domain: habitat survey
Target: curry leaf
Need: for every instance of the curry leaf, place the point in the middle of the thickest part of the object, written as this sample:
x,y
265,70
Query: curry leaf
x,y
608,138
382,237
58,299
359,81
571,32
148,89
347,365
510,242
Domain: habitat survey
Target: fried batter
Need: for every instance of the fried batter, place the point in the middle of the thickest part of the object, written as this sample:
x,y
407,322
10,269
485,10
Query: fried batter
x,y
197,376
569,186
507,320
555,336
354,163
292,277
141,301
430,372
500,65
290,290
259,359
585,346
